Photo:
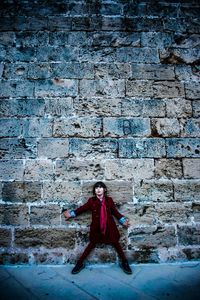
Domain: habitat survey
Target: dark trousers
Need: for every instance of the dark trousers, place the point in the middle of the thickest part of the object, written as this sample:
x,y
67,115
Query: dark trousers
x,y
92,245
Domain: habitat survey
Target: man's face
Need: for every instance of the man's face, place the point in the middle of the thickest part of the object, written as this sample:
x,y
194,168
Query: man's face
x,y
99,191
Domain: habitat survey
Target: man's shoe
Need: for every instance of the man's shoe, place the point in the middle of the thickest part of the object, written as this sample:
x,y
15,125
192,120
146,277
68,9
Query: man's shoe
x,y
125,267
78,267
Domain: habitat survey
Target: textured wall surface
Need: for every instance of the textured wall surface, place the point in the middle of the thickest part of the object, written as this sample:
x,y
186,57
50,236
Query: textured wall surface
x,y
99,90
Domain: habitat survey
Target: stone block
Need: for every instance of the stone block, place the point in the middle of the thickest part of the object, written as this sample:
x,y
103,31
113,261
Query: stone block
x,y
143,256
143,108
196,108
174,212
168,168
14,214
45,215
191,253
186,73
79,169
49,238
59,23
82,23
177,108
38,127
11,170
191,168
137,55
31,39
192,90
168,89
100,148
186,190
188,234
38,71
53,148
141,148
7,38
56,88
156,39
48,258
21,54
190,127
13,148
152,72
10,127
21,107
6,237
59,106
154,190
119,127
15,71
63,191
78,127
18,191
152,237
38,170
57,54
129,169
73,70
102,88
97,106
113,71
120,191
183,147
165,127
98,54
77,38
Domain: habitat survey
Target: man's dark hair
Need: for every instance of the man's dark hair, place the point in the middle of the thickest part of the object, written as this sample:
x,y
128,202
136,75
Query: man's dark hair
x,y
100,184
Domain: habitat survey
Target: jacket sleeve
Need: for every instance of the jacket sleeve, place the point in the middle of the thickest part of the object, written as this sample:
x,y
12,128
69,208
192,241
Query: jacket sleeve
x,y
83,208
114,210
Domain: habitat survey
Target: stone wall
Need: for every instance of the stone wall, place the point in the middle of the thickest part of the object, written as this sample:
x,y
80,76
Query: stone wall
x,y
99,90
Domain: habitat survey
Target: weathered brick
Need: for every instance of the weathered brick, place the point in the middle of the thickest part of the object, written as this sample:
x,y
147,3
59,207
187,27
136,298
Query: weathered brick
x,y
188,234
191,253
137,55
73,70
45,237
186,73
38,127
154,190
144,214
91,148
120,191
14,258
152,237
37,170
79,127
114,71
102,88
196,211
54,54
119,127
11,127
192,90
55,258
13,148
67,192
174,212
21,54
177,108
148,147
129,169
168,168
16,88
97,106
11,170
7,38
22,107
59,106
165,127
183,147
156,39
59,23
190,127
15,71
157,89
152,72
143,108
45,215
14,214
82,23
6,237
28,38
191,168
53,148
21,191
79,169
56,88
186,190
39,71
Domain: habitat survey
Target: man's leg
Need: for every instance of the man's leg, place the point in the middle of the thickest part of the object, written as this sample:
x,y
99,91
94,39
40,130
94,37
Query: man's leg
x,y
80,265
124,262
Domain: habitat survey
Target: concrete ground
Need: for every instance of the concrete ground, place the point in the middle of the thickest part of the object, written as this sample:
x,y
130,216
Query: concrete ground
x,y
152,281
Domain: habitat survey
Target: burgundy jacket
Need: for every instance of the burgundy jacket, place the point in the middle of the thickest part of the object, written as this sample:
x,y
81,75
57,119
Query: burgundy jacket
x,y
94,204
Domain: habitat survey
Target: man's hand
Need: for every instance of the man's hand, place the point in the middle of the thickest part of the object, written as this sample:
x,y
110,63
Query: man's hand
x,y
126,223
67,214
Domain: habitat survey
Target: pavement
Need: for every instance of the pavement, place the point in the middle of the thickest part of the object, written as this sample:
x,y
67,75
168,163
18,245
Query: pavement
x,y
148,281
